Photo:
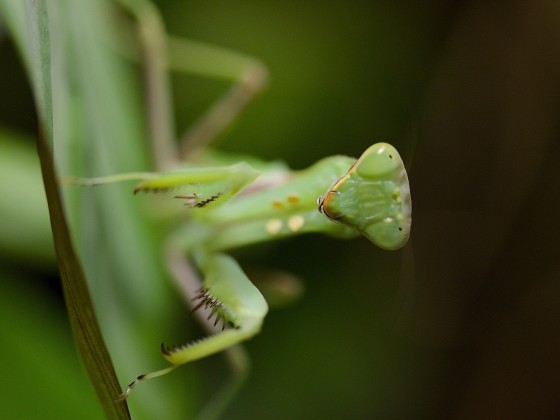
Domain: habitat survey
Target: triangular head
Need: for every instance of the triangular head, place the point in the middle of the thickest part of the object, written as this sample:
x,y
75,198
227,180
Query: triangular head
x,y
373,197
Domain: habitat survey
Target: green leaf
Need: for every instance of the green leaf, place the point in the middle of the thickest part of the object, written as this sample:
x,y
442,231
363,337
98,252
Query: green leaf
x,y
76,294
36,50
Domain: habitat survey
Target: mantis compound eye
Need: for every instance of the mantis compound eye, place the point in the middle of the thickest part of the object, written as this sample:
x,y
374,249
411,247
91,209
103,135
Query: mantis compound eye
x,y
381,161
373,197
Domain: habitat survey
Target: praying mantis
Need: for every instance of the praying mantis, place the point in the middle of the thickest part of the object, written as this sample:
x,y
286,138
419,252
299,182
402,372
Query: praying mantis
x,y
237,205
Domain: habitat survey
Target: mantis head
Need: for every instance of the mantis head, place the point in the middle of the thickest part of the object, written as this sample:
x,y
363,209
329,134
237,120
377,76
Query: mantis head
x,y
373,197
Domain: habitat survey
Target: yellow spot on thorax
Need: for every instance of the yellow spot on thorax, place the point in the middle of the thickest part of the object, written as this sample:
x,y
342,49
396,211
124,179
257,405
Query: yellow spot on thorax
x,y
277,204
295,223
293,198
273,226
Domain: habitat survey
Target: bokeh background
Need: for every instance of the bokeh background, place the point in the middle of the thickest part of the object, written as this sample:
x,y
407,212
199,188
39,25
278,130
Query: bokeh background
x,y
462,323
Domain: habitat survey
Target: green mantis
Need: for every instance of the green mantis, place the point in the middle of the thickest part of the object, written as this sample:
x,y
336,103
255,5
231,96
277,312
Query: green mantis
x,y
235,206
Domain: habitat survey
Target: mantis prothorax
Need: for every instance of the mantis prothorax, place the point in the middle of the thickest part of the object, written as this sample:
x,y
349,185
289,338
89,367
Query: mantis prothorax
x,y
338,196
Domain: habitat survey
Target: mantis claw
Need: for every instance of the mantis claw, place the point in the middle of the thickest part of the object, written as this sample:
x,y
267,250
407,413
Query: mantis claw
x,y
232,299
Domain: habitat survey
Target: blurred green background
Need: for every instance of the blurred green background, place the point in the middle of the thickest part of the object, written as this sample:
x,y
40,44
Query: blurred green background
x,y
459,324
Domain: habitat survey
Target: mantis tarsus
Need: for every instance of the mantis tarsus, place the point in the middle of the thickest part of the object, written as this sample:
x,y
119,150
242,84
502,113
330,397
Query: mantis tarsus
x,y
339,196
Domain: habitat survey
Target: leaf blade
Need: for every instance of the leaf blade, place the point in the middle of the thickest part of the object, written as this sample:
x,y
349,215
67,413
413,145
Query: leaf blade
x,y
35,44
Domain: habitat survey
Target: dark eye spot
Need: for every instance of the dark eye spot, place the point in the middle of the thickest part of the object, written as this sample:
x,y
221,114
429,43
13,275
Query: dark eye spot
x,y
400,229
390,156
